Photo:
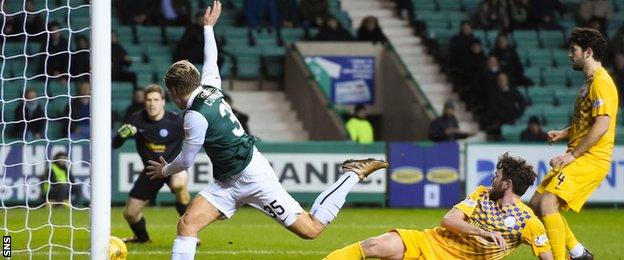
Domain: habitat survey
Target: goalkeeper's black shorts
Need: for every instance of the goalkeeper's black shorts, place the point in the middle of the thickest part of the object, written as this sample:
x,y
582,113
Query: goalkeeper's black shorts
x,y
146,189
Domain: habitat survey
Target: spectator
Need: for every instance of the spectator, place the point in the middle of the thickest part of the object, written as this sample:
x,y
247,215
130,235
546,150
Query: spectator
x,y
471,66
595,10
288,12
191,46
505,106
492,14
58,183
370,31
484,84
460,47
175,12
313,14
405,9
30,113
509,61
243,118
57,61
519,13
254,9
120,60
79,126
618,73
446,127
359,128
333,31
542,13
34,24
534,131
616,45
80,58
138,103
138,12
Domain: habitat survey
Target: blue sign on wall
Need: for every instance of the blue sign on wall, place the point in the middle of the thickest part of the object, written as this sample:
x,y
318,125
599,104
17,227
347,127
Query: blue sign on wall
x,y
424,175
345,79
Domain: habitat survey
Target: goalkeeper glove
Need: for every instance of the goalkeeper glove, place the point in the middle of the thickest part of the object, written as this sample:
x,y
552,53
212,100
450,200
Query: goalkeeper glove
x,y
126,130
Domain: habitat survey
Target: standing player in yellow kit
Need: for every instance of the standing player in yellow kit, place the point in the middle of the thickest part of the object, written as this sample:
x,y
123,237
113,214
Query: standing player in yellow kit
x,y
587,160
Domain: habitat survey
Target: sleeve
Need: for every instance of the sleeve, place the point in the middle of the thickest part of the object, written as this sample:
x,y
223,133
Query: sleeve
x,y
210,71
195,127
534,234
603,99
469,204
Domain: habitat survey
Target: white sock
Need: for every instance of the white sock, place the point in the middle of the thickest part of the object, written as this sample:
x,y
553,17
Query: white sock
x,y
577,251
328,203
183,248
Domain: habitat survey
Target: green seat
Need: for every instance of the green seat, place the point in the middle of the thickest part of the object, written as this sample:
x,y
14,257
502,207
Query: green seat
x,y
149,34
512,132
449,5
533,57
552,39
540,95
175,33
566,96
424,5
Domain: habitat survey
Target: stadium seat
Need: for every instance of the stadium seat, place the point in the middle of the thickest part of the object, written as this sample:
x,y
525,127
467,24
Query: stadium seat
x,y
512,132
540,95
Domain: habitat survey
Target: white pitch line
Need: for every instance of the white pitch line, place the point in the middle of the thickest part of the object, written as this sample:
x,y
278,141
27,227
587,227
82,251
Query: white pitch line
x,y
212,252
236,226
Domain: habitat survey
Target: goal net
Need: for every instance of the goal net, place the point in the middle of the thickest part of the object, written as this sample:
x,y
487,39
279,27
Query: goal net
x,y
50,167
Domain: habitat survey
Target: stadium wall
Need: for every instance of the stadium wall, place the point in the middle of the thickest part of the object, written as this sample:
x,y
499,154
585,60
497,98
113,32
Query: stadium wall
x,y
307,168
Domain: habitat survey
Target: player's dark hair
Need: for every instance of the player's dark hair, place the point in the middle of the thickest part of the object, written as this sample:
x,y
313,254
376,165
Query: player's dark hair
x,y
589,38
151,88
182,78
518,171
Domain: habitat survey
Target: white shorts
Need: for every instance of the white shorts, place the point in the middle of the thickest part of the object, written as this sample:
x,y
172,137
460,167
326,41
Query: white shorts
x,y
257,186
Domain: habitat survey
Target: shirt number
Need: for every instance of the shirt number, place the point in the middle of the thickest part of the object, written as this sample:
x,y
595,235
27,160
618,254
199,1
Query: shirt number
x,y
225,110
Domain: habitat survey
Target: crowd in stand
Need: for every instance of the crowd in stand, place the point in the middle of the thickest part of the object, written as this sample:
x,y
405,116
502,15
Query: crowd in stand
x,y
73,66
489,82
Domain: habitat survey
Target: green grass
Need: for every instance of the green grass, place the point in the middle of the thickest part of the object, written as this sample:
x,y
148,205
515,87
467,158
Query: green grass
x,y
251,235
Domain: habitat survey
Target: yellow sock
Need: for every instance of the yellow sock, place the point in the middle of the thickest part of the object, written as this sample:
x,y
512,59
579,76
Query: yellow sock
x,y
555,229
570,239
352,251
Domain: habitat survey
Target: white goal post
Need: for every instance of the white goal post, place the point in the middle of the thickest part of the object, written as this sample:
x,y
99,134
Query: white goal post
x,y
100,216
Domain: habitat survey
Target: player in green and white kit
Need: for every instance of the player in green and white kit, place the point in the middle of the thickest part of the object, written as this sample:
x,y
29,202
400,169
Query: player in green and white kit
x,y
242,174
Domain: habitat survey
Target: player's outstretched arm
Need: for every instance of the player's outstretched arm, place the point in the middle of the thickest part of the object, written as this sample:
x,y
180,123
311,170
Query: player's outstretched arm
x,y
210,72
195,127
455,221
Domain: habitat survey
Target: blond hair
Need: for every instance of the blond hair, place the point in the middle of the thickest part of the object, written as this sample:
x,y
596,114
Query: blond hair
x,y
182,78
151,88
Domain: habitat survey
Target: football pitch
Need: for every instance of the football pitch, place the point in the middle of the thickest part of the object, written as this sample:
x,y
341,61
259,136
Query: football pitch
x,y
252,235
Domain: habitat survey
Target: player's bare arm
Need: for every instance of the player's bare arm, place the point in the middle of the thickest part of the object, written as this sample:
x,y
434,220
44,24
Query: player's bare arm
x,y
212,14
556,135
455,220
596,131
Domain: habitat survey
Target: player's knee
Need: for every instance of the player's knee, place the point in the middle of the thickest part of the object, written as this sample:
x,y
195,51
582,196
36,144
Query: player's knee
x,y
186,227
131,215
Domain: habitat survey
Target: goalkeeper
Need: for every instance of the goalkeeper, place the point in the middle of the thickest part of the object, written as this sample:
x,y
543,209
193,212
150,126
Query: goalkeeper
x,y
157,133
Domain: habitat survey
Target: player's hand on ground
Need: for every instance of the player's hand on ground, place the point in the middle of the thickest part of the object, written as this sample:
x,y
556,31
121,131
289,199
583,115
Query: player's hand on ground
x,y
561,161
212,13
495,237
155,169
554,136
127,130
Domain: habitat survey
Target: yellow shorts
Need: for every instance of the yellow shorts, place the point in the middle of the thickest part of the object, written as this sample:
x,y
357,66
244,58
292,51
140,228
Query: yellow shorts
x,y
416,246
574,183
